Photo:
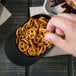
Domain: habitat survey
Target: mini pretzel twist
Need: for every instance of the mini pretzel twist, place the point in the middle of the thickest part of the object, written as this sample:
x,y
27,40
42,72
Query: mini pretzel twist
x,y
32,51
38,39
19,32
44,49
24,30
18,40
23,47
25,25
30,23
44,20
31,33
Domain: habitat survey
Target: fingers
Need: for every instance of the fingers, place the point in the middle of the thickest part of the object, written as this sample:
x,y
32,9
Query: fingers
x,y
59,32
62,24
56,40
50,26
69,16
59,22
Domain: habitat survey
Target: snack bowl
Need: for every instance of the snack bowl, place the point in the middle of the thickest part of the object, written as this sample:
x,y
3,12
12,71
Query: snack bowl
x,y
13,52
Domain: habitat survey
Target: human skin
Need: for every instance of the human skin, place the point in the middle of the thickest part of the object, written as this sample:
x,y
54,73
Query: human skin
x,y
64,25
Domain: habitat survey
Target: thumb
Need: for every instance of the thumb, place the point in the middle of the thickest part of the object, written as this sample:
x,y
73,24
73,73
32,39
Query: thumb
x,y
56,40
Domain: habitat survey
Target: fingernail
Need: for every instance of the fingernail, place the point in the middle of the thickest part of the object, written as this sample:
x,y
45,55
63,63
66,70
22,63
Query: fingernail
x,y
48,37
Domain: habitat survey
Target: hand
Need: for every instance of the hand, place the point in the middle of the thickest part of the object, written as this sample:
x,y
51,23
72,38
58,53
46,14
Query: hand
x,y
64,25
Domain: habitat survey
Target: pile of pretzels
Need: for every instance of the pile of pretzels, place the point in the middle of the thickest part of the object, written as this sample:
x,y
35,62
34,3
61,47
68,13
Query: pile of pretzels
x,y
30,37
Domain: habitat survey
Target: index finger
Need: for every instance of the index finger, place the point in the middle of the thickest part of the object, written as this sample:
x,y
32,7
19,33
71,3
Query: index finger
x,y
69,16
59,22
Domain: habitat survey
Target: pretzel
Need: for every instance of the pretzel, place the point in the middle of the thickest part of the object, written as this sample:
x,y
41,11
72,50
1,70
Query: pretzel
x,y
19,32
30,23
24,30
45,32
31,43
18,40
32,51
26,37
47,43
40,44
42,25
39,51
31,33
31,37
41,31
26,53
25,25
38,39
44,49
23,47
25,41
43,20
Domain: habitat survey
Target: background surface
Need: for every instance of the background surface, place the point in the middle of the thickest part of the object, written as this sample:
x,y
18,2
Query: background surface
x,y
52,66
